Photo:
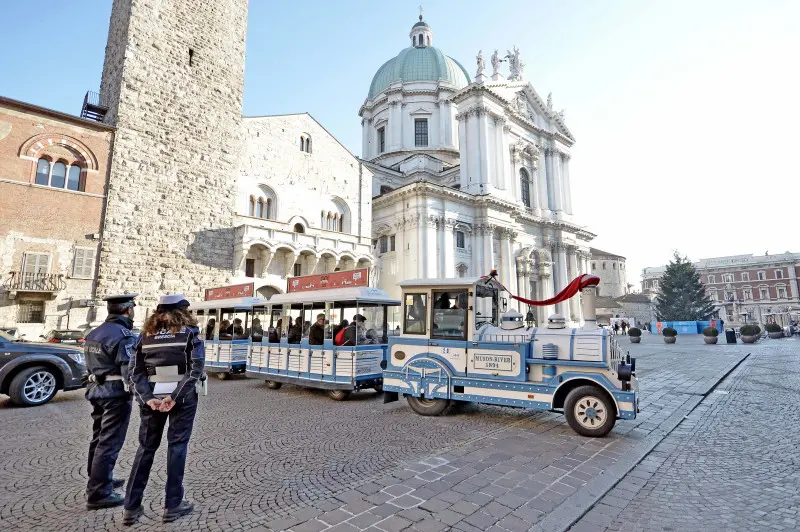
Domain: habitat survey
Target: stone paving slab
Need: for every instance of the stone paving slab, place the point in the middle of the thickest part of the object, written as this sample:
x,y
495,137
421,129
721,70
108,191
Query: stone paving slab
x,y
730,465
294,460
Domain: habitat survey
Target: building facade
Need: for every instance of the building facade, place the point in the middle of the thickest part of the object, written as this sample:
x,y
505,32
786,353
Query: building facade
x,y
611,270
53,173
302,204
745,288
470,176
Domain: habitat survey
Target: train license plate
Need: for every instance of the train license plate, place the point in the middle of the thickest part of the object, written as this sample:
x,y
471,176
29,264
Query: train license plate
x,y
493,362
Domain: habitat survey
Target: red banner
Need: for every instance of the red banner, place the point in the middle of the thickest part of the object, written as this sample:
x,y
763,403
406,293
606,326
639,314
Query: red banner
x,y
228,292
326,281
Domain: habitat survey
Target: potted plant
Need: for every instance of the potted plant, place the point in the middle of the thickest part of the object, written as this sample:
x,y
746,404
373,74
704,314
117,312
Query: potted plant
x,y
710,335
750,333
670,335
774,330
635,334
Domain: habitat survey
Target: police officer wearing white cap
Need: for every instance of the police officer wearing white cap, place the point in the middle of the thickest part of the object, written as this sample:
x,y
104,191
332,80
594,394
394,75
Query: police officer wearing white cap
x,y
108,350
166,365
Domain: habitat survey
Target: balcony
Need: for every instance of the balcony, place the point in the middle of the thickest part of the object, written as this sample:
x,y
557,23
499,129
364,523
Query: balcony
x,y
93,108
48,283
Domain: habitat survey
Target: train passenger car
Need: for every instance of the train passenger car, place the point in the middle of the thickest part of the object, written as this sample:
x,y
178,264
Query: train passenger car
x,y
226,327
456,346
301,339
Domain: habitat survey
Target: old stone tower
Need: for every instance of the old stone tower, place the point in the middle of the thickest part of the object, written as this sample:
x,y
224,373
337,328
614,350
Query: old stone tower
x,y
173,80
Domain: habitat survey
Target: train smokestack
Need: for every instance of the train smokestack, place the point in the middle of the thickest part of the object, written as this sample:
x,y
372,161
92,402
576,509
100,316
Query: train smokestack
x,y
589,303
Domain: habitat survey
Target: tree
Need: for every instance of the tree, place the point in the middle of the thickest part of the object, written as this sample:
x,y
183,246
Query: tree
x,y
682,297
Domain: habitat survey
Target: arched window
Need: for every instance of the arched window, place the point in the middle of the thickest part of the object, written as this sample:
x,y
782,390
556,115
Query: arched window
x,y
43,172
74,178
59,176
336,222
251,206
330,220
302,144
461,270
322,220
308,145
260,208
525,187
341,223
298,228
268,214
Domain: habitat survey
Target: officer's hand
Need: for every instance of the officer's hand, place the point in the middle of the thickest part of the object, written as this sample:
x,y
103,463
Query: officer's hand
x,y
167,404
154,404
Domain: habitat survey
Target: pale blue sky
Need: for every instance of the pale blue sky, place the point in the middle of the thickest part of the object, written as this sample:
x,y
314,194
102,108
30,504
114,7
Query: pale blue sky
x,y
685,112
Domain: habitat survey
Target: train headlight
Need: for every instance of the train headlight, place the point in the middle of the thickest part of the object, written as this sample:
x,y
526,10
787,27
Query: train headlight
x,y
624,372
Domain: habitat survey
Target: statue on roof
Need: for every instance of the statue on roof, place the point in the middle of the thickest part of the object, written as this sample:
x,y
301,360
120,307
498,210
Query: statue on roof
x,y
495,64
515,64
481,65
550,101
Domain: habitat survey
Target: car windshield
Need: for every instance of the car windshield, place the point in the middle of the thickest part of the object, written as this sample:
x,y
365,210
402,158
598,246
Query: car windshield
x,y
68,335
6,337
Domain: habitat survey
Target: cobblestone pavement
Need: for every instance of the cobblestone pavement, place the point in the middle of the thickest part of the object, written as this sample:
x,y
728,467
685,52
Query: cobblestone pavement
x,y
293,459
732,464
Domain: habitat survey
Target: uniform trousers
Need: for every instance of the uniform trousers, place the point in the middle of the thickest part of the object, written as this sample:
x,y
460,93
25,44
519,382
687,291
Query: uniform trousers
x,y
181,420
111,417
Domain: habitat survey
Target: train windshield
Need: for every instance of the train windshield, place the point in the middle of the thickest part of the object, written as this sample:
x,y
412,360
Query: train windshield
x,y
486,305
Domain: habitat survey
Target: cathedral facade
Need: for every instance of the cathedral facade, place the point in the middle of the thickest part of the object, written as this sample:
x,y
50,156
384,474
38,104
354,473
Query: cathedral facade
x,y
470,175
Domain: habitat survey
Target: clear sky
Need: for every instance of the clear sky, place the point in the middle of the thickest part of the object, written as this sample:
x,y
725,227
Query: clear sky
x,y
685,112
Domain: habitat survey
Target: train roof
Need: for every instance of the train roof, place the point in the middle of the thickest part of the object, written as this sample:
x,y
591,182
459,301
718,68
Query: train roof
x,y
362,294
458,281
237,303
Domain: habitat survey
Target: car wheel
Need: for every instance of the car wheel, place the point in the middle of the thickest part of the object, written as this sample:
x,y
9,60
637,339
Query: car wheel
x,y
222,375
589,411
427,407
33,386
339,395
272,385
378,388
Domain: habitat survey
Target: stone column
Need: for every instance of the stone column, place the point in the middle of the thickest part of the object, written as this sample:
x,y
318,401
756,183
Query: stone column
x,y
366,132
395,126
488,249
289,258
450,248
567,187
476,250
793,284
400,249
547,288
560,274
542,184
266,260
441,248
500,153
558,196
464,171
474,152
551,191
506,257
431,259
311,264
574,303
487,170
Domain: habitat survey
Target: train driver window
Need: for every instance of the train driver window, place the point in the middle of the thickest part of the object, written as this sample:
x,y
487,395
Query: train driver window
x,y
449,316
416,307
486,305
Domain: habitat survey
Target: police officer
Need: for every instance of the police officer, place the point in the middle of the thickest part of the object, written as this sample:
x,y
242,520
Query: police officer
x,y
167,364
108,350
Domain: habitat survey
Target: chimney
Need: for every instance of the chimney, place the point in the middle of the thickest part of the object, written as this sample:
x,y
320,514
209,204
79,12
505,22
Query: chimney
x,y
589,303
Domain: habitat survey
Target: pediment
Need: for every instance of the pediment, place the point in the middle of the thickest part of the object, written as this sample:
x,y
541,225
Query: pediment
x,y
421,111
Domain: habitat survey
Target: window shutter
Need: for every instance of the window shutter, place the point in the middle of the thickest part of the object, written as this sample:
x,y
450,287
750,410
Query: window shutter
x,y
83,266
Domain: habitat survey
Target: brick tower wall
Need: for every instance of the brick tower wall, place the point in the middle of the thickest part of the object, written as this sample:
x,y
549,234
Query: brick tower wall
x,y
173,80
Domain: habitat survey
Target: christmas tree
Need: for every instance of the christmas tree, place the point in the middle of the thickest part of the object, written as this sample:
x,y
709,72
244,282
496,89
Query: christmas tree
x,y
682,297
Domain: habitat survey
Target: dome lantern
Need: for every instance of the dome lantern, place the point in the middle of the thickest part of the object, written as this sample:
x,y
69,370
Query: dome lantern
x,y
421,34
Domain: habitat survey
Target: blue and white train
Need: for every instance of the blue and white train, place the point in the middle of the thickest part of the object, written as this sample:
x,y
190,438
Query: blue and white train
x,y
456,346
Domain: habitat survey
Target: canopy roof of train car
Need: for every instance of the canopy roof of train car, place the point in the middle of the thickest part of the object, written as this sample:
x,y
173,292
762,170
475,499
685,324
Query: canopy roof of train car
x,y
362,294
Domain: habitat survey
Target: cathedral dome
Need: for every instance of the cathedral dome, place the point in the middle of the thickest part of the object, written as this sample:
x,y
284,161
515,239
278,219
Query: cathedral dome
x,y
419,62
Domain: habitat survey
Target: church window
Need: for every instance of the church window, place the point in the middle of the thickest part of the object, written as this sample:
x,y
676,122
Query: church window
x,y
381,139
460,243
268,213
43,172
59,175
308,145
330,222
336,222
251,206
421,132
384,241
298,228
391,243
74,178
260,208
302,144
525,187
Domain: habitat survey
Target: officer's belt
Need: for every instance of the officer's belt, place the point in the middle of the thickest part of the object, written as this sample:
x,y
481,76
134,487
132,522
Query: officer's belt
x,y
93,377
165,378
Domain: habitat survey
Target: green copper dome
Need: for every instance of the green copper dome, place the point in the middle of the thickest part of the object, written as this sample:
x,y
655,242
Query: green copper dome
x,y
419,64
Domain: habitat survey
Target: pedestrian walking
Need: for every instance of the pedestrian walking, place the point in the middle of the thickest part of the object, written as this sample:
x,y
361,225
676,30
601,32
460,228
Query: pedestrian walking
x,y
616,327
167,364
624,328
108,350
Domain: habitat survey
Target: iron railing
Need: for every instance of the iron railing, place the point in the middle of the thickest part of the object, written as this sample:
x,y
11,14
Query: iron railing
x,y
35,282
93,107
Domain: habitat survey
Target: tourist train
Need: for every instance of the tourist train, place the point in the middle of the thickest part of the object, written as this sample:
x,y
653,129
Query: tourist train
x,y
446,342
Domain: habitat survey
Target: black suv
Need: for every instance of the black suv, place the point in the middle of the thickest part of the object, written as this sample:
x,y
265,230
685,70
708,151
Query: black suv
x,y
32,373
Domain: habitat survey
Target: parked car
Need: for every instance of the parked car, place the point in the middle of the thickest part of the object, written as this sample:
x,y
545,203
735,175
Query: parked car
x,y
31,373
63,336
13,332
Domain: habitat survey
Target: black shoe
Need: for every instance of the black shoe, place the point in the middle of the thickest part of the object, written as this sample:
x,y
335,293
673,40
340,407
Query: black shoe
x,y
129,517
115,499
171,514
118,482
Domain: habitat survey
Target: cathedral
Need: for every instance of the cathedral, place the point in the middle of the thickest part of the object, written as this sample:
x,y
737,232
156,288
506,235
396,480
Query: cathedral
x,y
470,175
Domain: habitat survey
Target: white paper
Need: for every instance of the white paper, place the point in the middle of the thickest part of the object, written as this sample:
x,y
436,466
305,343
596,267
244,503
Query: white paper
x,y
164,388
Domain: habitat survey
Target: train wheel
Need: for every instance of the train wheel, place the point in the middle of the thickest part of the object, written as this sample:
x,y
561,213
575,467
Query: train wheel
x,y
272,385
339,395
378,388
589,411
222,376
427,407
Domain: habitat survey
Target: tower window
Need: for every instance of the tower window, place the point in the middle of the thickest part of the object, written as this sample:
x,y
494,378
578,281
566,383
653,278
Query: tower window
x,y
421,132
191,57
381,139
